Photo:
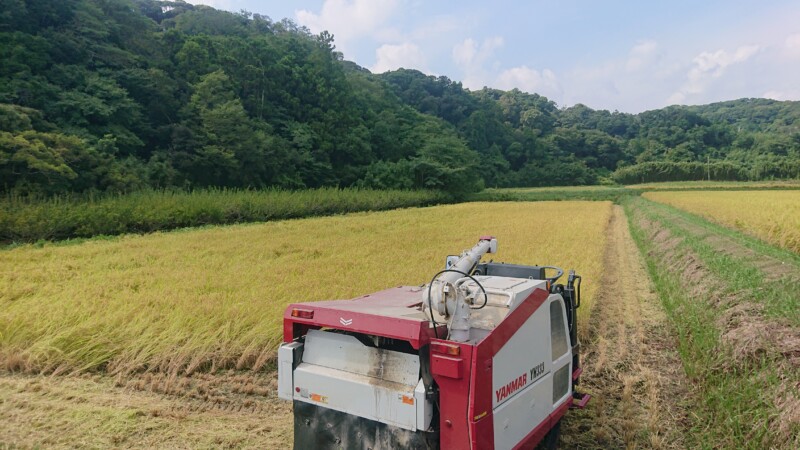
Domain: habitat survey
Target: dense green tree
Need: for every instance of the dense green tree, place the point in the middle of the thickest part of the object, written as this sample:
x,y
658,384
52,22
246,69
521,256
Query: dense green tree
x,y
123,94
445,163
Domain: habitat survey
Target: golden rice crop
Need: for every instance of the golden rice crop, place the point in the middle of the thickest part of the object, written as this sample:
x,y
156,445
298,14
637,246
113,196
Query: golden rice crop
x,y
689,185
773,216
212,298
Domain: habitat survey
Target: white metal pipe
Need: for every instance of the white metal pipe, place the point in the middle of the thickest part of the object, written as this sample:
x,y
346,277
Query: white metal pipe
x,y
468,260
448,300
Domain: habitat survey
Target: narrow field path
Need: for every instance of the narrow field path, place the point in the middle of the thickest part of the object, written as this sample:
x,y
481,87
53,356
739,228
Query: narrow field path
x,y
734,305
774,268
631,367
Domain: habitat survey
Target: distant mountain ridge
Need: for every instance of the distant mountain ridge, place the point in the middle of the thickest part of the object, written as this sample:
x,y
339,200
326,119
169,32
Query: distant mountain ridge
x,y
120,95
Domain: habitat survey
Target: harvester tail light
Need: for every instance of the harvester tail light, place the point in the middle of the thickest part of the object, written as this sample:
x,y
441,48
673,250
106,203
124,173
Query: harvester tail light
x,y
303,313
447,349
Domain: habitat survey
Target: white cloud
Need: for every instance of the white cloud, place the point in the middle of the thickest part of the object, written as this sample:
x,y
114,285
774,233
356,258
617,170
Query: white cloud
x,y
471,57
464,53
793,41
469,53
641,55
366,29
226,5
435,28
619,83
530,80
677,98
625,83
782,95
708,66
350,19
715,63
394,56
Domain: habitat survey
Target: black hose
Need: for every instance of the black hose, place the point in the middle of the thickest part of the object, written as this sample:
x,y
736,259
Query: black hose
x,y
430,301
430,307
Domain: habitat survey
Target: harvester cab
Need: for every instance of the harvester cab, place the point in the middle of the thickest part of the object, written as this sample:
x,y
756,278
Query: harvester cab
x,y
485,356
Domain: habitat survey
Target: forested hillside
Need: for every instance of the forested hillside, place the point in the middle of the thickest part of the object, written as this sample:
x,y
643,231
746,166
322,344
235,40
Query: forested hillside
x,y
527,141
120,95
114,94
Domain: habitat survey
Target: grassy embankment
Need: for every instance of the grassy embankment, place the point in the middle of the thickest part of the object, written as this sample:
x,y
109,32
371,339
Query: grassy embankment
x,y
617,193
772,216
33,219
213,298
560,193
717,185
734,302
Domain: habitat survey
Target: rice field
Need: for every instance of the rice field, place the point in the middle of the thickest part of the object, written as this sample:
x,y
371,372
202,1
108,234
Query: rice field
x,y
773,216
29,219
213,298
691,185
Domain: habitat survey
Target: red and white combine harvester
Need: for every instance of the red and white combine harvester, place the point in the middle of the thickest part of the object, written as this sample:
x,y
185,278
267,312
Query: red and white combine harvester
x,y
483,357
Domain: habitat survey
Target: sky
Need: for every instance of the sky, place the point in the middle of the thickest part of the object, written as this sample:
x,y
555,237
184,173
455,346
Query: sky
x,y
629,56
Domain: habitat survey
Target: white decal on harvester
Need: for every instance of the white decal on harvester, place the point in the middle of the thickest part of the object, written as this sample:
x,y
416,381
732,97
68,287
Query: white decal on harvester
x,y
345,322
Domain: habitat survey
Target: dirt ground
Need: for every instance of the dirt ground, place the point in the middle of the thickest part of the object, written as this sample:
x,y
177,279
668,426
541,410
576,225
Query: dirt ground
x,y
631,368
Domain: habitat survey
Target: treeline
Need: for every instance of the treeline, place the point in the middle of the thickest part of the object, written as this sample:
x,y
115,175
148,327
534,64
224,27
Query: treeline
x,y
124,95
658,171
525,140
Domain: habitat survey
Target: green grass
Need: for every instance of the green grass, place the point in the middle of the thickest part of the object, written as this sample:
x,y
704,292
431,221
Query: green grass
x,y
616,193
781,300
565,193
33,219
736,408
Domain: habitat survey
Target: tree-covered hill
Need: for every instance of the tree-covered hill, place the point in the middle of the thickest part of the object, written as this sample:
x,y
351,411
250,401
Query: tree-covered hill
x,y
542,144
118,95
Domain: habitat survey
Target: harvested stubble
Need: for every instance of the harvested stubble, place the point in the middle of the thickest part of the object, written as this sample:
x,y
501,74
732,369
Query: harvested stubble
x,y
213,298
773,216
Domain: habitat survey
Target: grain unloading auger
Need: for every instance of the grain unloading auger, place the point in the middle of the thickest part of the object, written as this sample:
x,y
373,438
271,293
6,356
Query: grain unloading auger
x,y
483,357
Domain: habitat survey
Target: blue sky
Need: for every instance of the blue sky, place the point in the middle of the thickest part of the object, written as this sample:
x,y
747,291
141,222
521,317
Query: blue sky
x,y
629,56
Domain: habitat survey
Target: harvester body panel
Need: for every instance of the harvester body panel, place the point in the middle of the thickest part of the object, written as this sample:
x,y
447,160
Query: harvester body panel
x,y
339,372
382,371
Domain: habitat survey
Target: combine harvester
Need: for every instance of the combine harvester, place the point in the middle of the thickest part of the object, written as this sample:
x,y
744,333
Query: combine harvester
x,y
483,357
